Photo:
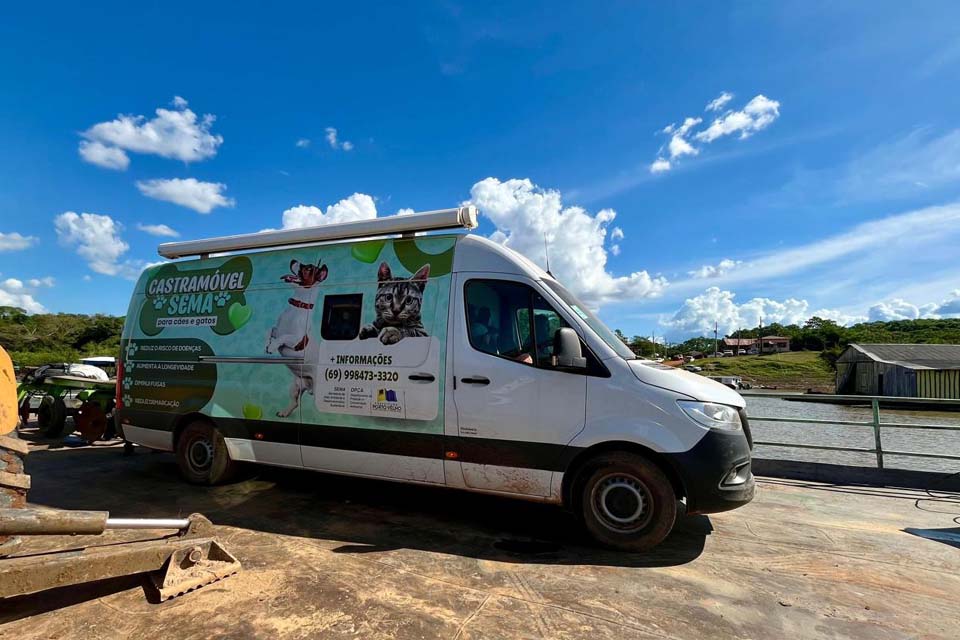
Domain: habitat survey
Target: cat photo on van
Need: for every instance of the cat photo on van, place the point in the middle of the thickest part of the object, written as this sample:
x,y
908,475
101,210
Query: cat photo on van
x,y
398,303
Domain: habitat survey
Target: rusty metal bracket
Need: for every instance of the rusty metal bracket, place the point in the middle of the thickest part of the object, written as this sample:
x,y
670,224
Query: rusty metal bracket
x,y
21,575
180,562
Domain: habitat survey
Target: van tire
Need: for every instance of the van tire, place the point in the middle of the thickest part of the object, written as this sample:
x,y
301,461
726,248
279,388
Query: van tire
x,y
626,501
202,455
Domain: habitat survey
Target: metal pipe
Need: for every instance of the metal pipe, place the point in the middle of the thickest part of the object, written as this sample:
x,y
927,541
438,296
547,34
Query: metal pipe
x,y
819,447
876,432
51,522
850,423
147,523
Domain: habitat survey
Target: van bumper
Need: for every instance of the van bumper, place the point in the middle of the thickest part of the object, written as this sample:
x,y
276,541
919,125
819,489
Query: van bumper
x,y
716,472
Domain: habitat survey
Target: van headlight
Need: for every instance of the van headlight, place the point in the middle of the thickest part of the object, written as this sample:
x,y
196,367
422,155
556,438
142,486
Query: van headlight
x,y
712,415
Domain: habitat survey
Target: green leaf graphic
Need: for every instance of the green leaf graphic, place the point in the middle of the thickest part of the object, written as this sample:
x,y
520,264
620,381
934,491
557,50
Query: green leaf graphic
x,y
412,257
239,314
368,251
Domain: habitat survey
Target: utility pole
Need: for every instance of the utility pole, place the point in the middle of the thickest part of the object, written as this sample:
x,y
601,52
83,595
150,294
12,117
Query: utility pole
x,y
761,336
716,326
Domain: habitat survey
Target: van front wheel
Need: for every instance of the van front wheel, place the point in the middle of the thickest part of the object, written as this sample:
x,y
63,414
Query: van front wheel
x,y
627,502
202,455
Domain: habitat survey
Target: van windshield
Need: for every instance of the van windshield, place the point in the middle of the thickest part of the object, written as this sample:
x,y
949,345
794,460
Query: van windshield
x,y
593,321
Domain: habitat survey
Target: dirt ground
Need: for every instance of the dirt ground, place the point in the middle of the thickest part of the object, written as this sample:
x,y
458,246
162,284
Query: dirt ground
x,y
329,557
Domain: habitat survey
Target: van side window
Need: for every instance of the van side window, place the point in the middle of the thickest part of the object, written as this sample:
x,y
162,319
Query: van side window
x,y
546,323
341,316
498,318
512,321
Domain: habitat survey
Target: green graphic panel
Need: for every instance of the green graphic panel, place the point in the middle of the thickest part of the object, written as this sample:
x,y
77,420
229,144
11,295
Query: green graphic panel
x,y
197,297
167,375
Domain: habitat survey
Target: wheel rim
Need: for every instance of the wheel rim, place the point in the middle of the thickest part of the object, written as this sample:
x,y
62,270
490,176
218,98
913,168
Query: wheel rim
x,y
200,455
622,503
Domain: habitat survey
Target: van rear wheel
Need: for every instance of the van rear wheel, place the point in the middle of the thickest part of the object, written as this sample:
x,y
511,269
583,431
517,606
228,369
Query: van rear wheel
x,y
202,455
627,502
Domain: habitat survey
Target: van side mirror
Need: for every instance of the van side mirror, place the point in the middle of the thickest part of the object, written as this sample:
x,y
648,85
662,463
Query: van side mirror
x,y
566,349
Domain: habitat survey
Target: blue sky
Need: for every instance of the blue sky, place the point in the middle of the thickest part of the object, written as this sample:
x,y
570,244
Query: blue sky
x,y
827,183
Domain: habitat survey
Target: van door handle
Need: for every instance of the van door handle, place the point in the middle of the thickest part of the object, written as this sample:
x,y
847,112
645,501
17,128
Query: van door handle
x,y
476,380
421,377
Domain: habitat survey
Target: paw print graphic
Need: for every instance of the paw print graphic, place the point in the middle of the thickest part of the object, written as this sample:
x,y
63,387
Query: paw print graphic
x,y
131,349
158,302
221,298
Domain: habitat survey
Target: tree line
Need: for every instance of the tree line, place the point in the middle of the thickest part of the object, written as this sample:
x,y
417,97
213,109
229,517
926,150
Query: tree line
x,y
818,334
42,338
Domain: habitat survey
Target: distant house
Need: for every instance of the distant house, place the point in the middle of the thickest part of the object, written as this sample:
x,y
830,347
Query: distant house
x,y
774,344
771,344
903,370
739,344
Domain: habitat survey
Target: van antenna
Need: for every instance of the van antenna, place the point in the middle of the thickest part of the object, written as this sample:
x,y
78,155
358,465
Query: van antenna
x,y
546,253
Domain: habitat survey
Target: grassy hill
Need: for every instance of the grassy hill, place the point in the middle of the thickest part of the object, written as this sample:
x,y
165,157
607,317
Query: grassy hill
x,y
793,370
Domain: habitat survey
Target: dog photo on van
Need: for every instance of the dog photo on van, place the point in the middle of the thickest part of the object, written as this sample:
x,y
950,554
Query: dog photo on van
x,y
290,336
397,303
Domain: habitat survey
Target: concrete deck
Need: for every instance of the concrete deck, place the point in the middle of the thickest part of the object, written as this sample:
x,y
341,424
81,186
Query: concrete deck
x,y
332,557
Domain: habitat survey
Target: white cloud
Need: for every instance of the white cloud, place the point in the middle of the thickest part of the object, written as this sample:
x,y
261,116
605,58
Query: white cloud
x,y
840,317
97,240
715,271
202,197
719,102
699,313
15,241
688,124
160,230
103,156
173,133
524,213
616,235
759,114
900,309
303,143
679,147
46,281
14,294
334,141
896,309
659,165
359,206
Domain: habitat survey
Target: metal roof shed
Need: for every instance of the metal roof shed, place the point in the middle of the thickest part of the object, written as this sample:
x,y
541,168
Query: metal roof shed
x,y
904,370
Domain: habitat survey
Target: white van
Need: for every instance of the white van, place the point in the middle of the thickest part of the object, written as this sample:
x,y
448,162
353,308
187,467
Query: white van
x,y
437,359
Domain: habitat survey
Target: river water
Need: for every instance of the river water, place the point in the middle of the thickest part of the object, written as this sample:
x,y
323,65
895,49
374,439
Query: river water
x,y
893,439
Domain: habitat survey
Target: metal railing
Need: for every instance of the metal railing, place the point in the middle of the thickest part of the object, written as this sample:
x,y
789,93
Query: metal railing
x,y
875,423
